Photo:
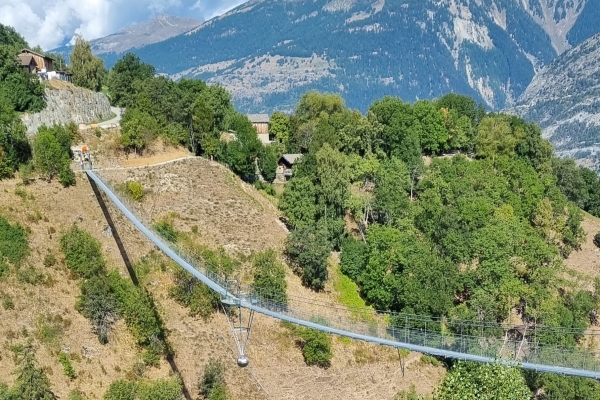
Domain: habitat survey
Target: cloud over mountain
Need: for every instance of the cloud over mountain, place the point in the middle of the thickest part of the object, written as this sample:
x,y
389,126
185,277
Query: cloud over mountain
x,y
51,23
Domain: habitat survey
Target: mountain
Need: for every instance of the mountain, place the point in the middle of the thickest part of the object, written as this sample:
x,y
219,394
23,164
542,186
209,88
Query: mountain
x,y
269,52
564,99
156,30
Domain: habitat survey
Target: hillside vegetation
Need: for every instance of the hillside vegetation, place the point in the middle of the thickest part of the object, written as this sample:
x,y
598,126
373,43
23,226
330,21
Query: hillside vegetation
x,y
436,208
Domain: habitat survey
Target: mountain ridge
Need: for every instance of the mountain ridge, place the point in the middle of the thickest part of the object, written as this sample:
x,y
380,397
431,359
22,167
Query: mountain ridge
x,y
365,49
138,35
563,98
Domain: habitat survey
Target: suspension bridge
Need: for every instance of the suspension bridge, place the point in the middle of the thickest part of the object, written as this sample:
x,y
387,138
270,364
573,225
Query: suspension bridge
x,y
530,347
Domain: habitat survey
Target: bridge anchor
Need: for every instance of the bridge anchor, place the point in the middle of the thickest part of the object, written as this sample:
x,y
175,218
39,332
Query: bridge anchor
x,y
240,328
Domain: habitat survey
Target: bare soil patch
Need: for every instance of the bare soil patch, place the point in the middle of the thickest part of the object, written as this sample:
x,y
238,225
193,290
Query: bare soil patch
x,y
586,261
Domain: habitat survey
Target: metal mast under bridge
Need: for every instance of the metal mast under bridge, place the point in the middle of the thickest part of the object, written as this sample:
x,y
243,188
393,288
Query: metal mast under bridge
x,y
240,328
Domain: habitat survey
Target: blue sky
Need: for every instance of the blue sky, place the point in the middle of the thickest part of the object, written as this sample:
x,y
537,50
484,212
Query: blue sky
x,y
51,23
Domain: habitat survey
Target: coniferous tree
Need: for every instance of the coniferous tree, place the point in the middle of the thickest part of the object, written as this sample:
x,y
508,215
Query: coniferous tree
x,y
88,71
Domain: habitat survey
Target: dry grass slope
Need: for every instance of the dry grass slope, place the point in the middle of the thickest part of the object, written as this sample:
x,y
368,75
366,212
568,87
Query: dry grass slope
x,y
227,213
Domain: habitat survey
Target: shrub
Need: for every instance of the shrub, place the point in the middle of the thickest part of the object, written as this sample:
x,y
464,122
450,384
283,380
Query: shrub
x,y
67,366
137,308
13,242
98,303
268,188
66,176
49,260
167,230
316,347
4,268
189,292
121,390
75,395
597,239
269,276
51,327
82,252
162,389
135,190
31,276
308,250
7,302
212,383
26,172
425,359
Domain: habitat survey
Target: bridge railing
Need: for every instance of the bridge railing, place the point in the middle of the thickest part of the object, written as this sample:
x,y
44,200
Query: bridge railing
x,y
450,335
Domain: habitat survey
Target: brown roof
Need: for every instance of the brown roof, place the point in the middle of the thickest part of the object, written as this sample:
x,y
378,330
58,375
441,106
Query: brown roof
x,y
25,51
25,59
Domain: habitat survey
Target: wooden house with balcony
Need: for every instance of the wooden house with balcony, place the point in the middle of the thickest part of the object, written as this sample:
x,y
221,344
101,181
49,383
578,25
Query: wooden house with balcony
x,y
284,167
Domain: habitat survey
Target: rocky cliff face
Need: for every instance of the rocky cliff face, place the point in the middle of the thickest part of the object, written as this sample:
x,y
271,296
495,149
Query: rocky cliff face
x,y
68,103
563,99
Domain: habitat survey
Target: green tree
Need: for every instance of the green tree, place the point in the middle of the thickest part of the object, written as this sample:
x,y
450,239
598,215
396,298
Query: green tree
x,y
212,383
392,183
269,276
122,76
269,156
98,303
51,154
316,347
83,253
280,127
138,129
32,382
313,105
20,89
333,176
308,250
495,137
88,71
483,382
14,146
298,201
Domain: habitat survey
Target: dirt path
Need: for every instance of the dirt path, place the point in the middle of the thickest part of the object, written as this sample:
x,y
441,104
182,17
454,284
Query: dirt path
x,y
157,159
114,121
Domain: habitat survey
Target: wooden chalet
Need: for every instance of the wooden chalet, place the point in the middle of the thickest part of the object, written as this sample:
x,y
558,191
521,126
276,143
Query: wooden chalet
x,y
261,123
284,167
34,62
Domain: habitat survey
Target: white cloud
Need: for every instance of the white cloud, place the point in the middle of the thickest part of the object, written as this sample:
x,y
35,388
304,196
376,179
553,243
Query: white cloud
x,y
51,23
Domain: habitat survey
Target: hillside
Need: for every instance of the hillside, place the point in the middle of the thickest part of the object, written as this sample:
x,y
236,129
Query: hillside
x,y
135,36
563,100
365,49
227,213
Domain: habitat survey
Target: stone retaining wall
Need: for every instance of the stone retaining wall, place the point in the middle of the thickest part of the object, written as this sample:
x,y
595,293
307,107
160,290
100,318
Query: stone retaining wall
x,y
68,103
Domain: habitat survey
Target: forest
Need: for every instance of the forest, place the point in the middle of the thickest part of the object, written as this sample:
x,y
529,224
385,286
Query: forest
x,y
436,208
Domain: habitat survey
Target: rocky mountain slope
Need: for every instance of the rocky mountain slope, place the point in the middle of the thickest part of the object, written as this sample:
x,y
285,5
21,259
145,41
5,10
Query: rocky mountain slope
x,y
564,100
268,52
156,30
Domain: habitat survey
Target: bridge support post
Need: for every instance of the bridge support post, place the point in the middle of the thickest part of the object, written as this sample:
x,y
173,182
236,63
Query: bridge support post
x,y
240,328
